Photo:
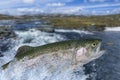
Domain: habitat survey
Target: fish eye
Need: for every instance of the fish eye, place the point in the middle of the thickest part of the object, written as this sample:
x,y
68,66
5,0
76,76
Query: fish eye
x,y
94,44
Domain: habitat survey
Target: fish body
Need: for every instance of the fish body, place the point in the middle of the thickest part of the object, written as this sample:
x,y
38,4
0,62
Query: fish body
x,y
75,50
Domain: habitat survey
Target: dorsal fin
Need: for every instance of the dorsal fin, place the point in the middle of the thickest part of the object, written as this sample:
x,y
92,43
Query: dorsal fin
x,y
22,51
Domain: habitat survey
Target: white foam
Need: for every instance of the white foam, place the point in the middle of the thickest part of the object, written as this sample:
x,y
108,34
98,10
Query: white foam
x,y
112,29
73,30
37,37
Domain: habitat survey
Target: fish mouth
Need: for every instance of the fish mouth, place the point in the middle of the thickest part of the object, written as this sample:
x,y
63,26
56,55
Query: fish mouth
x,y
98,48
98,51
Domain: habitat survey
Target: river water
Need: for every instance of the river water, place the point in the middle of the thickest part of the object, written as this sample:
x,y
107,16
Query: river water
x,y
107,67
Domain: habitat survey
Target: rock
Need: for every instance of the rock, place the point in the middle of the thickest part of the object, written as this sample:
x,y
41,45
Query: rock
x,y
6,32
5,44
95,28
1,55
45,28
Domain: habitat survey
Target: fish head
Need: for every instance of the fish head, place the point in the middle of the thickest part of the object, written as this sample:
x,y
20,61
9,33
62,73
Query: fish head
x,y
88,50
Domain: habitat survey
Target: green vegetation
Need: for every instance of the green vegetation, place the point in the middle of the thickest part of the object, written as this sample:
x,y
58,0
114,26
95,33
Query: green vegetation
x,y
7,17
78,22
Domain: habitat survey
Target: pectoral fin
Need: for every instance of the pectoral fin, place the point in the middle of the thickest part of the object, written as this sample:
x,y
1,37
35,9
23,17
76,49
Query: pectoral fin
x,y
79,55
81,51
